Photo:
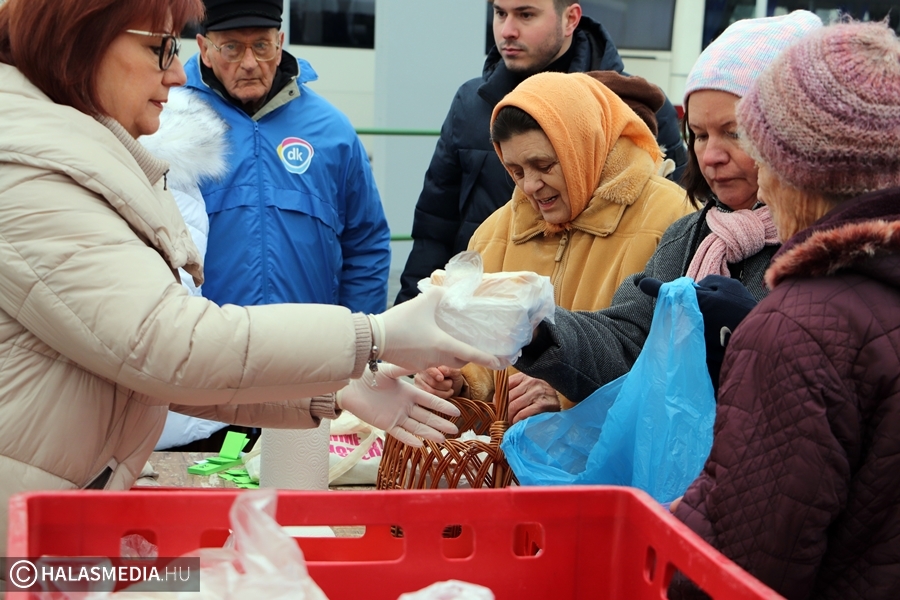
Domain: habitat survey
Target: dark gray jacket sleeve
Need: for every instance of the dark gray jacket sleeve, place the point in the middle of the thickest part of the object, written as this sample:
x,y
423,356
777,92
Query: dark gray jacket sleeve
x,y
583,351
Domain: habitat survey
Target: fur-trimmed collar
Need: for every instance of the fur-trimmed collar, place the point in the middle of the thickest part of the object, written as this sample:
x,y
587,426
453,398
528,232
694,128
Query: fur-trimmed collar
x,y
855,233
191,138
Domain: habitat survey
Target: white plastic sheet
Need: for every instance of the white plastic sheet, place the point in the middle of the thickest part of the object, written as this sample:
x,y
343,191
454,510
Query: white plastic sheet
x,y
494,312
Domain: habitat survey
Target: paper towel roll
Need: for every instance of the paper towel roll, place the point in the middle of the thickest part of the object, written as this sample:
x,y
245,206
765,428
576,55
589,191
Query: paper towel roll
x,y
295,459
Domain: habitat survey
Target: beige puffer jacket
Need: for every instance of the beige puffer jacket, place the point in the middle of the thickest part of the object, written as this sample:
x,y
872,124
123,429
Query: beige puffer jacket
x,y
97,335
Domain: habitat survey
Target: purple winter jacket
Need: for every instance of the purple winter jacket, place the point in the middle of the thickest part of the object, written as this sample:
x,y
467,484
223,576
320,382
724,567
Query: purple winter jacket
x,y
802,486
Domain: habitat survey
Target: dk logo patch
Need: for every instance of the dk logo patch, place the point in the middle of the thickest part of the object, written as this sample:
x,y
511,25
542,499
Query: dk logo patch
x,y
296,154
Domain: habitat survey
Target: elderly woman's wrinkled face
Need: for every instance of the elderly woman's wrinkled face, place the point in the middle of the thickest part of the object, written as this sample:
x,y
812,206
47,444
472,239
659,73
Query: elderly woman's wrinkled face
x,y
532,162
729,171
130,86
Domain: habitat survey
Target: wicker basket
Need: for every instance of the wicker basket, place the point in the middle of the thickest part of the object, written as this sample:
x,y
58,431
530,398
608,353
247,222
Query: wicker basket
x,y
477,464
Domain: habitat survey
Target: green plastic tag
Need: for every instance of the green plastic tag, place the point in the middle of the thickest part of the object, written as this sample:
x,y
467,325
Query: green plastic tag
x,y
233,445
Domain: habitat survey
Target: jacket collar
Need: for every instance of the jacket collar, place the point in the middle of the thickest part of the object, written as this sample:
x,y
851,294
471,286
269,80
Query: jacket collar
x,y
626,172
191,138
862,235
592,49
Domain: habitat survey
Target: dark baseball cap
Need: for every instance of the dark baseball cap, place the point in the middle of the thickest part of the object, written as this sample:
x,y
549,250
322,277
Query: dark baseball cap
x,y
238,14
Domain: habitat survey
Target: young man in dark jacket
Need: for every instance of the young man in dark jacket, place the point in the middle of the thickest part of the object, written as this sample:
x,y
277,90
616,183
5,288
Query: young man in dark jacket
x,y
465,182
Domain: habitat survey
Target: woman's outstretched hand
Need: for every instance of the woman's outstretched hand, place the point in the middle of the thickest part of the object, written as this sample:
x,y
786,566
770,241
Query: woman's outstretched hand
x,y
386,400
410,337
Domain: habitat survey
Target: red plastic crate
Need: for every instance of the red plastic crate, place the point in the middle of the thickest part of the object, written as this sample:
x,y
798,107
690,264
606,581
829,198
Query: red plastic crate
x,y
557,542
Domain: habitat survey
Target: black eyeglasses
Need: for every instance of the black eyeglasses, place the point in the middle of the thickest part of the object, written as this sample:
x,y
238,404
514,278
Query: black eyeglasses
x,y
166,51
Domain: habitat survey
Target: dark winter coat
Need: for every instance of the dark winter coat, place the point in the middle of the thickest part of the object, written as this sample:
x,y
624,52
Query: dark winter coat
x,y
465,181
583,351
802,487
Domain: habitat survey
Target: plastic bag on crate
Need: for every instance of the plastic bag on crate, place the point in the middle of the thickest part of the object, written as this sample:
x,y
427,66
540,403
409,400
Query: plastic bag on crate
x,y
450,590
650,428
494,312
259,560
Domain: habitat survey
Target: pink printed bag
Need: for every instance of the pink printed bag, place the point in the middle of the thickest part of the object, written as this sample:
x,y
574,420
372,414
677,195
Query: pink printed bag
x,y
354,453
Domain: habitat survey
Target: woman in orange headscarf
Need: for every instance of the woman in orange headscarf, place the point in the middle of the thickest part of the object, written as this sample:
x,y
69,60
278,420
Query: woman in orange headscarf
x,y
588,209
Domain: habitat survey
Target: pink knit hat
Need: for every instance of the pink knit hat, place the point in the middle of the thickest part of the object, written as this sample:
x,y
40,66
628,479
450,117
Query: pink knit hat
x,y
825,116
736,58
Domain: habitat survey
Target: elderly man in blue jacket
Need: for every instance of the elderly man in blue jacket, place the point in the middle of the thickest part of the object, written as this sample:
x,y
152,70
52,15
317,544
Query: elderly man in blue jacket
x,y
298,217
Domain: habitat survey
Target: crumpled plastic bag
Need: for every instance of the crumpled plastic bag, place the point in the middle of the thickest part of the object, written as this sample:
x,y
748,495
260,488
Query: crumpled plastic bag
x,y
450,590
137,546
494,312
259,560
652,428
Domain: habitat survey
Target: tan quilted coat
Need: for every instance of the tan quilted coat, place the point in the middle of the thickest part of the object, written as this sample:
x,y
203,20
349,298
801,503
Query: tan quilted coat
x,y
97,335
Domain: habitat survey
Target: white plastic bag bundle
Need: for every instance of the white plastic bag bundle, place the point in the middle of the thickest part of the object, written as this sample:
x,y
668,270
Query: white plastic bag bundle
x,y
494,312
450,590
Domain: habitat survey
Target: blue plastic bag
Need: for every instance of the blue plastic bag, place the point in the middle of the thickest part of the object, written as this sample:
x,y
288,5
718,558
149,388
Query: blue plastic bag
x,y
650,428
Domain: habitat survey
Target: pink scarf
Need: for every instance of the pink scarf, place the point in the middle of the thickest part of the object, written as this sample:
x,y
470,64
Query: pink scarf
x,y
735,236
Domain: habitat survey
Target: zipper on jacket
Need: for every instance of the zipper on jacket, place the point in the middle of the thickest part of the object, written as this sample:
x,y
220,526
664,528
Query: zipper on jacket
x,y
262,214
165,181
563,241
559,269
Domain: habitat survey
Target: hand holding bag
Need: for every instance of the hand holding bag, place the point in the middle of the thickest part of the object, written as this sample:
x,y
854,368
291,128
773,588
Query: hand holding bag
x,y
650,428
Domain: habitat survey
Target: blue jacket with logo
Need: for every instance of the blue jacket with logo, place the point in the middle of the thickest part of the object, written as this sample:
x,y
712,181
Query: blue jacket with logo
x,y
298,217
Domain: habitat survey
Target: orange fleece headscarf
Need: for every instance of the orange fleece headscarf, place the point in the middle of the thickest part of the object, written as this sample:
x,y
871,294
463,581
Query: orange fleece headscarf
x,y
583,119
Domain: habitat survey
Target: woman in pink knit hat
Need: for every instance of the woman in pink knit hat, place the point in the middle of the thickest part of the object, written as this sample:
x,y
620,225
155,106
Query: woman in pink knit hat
x,y
802,486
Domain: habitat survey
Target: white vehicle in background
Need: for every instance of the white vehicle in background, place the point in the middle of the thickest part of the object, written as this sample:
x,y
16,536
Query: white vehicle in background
x,y
661,39
657,39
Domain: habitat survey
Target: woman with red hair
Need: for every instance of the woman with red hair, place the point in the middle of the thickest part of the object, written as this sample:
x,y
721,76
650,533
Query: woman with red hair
x,y
97,335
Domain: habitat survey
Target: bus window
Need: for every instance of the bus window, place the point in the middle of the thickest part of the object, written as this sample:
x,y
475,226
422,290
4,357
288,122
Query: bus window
x,y
634,24
343,23
719,14
830,10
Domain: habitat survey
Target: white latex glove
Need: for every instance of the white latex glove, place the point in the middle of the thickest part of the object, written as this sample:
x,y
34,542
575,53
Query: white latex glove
x,y
408,336
397,406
